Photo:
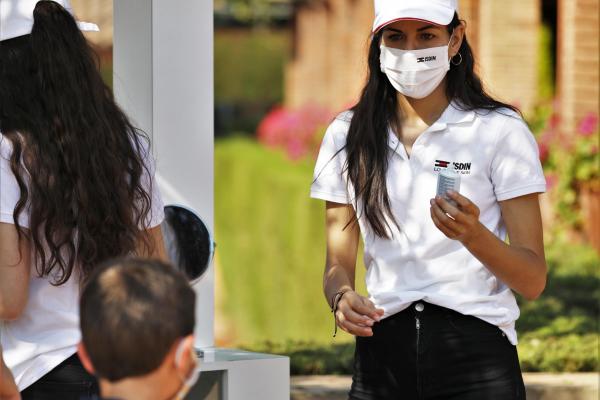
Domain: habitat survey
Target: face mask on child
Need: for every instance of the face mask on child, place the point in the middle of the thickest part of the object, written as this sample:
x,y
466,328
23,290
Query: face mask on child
x,y
190,381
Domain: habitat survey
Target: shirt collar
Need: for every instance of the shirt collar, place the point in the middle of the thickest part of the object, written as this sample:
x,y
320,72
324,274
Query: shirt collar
x,y
452,115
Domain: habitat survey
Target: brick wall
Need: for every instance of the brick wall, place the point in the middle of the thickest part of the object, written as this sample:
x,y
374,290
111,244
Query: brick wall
x,y
306,82
577,66
508,38
331,44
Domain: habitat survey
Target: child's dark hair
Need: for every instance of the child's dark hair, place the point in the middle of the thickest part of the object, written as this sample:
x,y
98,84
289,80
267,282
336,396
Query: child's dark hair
x,y
132,311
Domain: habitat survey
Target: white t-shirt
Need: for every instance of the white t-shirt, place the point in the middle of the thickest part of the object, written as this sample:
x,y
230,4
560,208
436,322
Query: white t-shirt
x,y
47,333
497,158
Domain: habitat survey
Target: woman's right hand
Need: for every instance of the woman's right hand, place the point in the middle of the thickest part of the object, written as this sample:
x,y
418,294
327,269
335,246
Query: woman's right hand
x,y
357,314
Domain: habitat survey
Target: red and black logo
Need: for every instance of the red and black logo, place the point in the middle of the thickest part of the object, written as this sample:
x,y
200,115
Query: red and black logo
x,y
441,163
459,167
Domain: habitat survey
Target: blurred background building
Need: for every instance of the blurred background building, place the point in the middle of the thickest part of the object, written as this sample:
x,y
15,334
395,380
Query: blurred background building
x,y
526,49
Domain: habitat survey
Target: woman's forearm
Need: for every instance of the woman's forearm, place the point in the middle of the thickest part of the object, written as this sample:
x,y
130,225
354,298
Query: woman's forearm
x,y
521,265
14,272
520,268
336,279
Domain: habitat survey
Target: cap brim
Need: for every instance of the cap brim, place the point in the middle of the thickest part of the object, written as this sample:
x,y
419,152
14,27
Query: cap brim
x,y
437,15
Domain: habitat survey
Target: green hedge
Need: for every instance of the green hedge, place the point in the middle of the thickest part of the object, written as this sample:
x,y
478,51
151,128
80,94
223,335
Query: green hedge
x,y
272,252
271,245
570,303
570,353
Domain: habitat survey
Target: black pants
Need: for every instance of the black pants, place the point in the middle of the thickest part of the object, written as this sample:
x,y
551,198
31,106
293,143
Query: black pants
x,y
68,381
435,354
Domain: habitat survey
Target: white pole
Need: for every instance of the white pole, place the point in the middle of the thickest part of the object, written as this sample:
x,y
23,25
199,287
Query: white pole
x,y
163,78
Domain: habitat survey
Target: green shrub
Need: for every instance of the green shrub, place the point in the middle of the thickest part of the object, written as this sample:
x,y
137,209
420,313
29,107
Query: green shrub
x,y
571,301
570,353
310,358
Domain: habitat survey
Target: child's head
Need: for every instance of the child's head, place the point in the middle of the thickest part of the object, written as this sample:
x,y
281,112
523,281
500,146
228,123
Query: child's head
x,y
137,318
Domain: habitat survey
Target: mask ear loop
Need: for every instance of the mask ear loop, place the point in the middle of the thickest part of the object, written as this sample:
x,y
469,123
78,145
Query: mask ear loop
x,y
179,353
178,359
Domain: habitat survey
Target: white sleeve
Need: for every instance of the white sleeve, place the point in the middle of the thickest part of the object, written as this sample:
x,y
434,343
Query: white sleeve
x,y
329,182
9,189
148,180
516,169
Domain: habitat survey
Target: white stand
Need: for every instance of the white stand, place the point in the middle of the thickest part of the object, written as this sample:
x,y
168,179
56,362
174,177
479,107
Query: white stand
x,y
163,79
236,374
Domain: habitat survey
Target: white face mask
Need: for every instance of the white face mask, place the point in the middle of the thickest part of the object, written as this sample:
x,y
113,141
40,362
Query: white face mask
x,y
190,381
415,73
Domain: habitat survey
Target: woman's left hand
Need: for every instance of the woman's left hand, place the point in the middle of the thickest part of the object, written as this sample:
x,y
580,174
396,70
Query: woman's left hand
x,y
459,222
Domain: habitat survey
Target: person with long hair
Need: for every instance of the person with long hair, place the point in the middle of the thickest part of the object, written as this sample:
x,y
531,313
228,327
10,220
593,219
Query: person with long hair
x,y
434,173
76,189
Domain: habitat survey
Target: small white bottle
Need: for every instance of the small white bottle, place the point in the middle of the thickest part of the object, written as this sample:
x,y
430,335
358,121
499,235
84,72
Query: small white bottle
x,y
448,180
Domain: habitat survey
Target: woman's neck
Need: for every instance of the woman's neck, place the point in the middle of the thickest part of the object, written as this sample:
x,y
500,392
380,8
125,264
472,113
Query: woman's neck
x,y
428,109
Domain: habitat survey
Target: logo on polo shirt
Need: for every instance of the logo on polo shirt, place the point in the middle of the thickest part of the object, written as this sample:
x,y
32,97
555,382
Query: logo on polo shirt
x,y
441,163
425,59
463,168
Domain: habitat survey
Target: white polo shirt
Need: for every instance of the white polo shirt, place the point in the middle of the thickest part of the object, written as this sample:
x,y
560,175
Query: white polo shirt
x,y
47,333
497,157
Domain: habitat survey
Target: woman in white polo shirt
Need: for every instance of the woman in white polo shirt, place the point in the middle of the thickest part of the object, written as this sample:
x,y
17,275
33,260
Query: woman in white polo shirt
x,y
75,189
439,322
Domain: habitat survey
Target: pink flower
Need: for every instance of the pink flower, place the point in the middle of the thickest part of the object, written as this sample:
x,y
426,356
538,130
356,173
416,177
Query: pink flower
x,y
588,125
271,127
298,132
295,149
551,180
567,143
547,137
544,152
553,121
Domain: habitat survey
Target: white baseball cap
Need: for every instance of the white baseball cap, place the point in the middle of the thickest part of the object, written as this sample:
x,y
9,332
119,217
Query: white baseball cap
x,y
439,12
16,17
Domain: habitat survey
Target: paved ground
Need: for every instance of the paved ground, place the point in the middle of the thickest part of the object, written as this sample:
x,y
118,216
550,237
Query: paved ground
x,y
540,386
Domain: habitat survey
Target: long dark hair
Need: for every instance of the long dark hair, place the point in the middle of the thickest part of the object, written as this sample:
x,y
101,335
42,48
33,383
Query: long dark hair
x,y
366,146
78,161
